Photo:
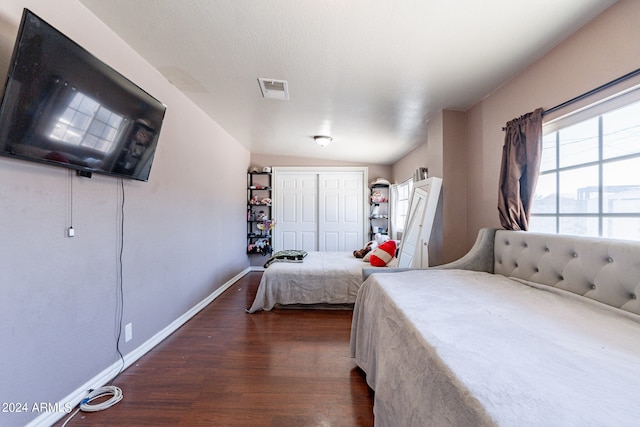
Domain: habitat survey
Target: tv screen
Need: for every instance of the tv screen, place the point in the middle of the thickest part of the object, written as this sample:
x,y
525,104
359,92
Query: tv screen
x,y
63,106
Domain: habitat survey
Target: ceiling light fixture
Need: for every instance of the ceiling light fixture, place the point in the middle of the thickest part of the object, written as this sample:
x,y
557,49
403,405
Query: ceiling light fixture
x,y
322,141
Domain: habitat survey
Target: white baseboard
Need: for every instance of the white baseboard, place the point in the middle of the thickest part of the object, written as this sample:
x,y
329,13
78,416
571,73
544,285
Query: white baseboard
x,y
74,398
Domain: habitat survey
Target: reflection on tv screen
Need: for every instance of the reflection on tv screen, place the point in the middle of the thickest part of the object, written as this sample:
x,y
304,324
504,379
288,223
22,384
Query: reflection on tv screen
x,y
63,106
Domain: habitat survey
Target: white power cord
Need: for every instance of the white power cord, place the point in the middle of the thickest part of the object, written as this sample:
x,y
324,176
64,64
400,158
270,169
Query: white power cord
x,y
86,406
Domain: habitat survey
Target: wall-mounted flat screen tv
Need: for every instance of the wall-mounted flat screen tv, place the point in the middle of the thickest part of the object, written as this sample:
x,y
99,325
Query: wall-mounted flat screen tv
x,y
62,106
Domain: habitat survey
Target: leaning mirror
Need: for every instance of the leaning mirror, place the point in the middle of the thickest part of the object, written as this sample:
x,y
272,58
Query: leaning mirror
x,y
414,247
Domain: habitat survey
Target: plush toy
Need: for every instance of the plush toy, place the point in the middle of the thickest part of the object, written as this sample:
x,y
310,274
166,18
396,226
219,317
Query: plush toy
x,y
383,254
362,252
377,197
262,246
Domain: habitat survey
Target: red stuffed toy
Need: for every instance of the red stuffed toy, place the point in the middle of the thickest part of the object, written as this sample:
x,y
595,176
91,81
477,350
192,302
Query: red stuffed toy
x,y
383,254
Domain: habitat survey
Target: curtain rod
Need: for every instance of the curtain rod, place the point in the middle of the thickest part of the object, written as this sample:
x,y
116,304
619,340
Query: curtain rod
x,y
591,92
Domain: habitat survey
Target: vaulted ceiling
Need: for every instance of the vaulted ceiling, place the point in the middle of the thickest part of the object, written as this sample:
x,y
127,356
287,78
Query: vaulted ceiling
x,y
369,73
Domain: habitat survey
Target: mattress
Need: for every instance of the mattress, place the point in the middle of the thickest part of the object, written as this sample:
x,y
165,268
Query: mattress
x,y
454,347
321,278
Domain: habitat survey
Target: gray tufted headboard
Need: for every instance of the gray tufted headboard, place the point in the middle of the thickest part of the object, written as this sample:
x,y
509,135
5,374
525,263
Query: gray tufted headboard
x,y
604,270
601,269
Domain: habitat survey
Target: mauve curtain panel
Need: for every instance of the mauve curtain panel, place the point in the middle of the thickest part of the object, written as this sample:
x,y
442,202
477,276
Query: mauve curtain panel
x,y
519,170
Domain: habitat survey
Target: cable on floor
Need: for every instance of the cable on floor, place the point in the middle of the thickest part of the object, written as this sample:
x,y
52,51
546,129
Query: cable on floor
x,y
86,406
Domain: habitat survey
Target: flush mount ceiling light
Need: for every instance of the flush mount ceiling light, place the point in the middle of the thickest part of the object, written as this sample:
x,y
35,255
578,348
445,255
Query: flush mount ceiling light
x,y
322,141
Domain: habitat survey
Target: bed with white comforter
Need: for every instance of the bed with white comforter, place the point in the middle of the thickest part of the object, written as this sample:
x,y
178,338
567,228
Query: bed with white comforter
x,y
321,278
473,348
461,348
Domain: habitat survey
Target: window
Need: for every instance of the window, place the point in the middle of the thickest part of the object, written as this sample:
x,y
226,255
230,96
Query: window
x,y
589,181
86,123
401,198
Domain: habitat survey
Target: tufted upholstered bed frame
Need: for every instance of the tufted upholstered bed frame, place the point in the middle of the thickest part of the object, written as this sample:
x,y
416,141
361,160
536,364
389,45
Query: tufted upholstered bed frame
x,y
604,270
525,329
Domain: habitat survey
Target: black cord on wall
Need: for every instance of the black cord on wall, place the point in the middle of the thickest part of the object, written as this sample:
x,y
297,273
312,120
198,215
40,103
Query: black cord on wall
x,y
119,281
109,390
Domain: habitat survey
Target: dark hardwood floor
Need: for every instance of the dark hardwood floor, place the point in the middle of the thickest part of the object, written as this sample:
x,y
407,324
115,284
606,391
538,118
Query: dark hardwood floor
x,y
224,367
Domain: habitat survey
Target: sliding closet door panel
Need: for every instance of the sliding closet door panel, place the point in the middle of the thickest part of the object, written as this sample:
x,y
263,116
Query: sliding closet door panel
x,y
341,208
320,210
297,213
330,241
339,242
304,240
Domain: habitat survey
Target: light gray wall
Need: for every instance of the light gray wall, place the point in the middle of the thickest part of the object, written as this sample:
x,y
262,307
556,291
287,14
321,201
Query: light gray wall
x,y
596,54
58,295
445,157
404,168
603,50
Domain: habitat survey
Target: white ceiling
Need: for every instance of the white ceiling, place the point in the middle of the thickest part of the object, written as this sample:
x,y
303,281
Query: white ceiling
x,y
369,73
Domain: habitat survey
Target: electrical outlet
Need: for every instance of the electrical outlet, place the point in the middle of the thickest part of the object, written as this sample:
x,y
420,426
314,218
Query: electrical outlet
x,y
128,332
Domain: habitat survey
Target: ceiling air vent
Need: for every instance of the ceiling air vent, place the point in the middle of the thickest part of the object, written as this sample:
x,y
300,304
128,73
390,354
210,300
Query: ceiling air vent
x,y
274,89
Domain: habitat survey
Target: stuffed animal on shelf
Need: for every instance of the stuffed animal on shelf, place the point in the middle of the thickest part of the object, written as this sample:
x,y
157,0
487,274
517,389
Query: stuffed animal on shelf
x,y
263,246
377,197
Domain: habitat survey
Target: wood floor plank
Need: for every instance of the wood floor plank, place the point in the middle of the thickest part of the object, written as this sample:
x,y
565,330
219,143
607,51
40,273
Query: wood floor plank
x,y
286,367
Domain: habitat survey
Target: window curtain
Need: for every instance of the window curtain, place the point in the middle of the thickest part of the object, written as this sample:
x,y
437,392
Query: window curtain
x,y
519,170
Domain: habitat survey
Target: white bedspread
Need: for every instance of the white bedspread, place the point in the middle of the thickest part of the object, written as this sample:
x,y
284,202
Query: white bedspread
x,y
461,348
322,278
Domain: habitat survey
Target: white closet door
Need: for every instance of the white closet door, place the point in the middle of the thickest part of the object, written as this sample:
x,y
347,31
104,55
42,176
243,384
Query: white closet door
x,y
297,217
341,212
319,210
